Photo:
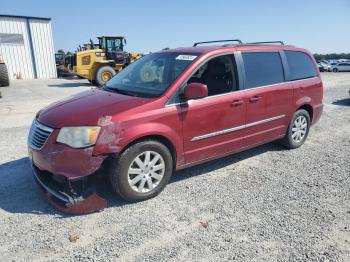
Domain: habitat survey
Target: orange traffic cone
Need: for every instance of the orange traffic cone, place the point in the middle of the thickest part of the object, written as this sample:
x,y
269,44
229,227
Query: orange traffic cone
x,y
19,75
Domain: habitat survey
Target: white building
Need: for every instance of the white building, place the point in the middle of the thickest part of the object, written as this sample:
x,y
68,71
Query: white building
x,y
26,46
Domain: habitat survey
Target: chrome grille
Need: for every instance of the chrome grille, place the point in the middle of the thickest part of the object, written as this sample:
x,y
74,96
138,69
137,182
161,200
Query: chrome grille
x,y
38,135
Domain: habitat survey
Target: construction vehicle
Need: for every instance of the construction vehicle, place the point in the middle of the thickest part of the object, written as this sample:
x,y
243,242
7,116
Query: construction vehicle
x,y
4,75
59,58
100,62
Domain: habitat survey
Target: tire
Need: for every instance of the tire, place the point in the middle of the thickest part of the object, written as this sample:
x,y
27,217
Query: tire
x,y
100,80
290,140
335,70
4,76
92,82
122,180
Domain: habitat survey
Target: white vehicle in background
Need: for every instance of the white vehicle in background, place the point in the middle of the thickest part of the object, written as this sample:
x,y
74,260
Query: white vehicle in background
x,y
340,67
322,66
329,66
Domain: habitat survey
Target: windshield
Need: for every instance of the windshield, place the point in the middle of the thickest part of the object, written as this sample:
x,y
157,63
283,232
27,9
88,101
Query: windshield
x,y
114,45
151,75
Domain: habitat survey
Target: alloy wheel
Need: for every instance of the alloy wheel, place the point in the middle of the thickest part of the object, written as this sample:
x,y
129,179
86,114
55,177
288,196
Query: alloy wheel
x,y
299,129
146,171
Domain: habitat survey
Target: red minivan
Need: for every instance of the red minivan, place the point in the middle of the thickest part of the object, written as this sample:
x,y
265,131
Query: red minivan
x,y
170,110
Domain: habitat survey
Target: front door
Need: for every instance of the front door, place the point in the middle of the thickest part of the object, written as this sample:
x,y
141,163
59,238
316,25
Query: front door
x,y
214,125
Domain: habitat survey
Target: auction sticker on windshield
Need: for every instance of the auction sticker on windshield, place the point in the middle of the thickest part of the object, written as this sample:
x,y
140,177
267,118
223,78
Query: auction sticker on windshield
x,y
186,57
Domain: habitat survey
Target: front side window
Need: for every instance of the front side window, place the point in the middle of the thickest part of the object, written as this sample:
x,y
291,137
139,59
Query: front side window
x,y
300,65
262,68
217,74
151,75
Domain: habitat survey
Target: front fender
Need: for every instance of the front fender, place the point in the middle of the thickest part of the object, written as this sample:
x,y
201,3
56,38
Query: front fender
x,y
114,138
148,129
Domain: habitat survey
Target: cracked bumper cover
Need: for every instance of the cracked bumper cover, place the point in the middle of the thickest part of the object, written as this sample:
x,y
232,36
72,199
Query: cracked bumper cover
x,y
66,176
72,197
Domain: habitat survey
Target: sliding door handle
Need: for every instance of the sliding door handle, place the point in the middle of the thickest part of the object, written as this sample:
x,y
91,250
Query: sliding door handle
x,y
237,103
254,99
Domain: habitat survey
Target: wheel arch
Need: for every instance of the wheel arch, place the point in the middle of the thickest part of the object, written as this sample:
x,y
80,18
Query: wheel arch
x,y
156,137
308,109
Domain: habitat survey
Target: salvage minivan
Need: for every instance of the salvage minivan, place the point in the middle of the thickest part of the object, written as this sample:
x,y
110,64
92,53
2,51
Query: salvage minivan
x,y
170,110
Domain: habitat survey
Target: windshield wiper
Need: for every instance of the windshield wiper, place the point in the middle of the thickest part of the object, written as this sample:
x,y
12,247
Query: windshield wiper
x,y
120,91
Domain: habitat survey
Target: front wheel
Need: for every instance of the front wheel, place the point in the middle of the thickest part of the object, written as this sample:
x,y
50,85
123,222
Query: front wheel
x,y
298,129
142,171
335,70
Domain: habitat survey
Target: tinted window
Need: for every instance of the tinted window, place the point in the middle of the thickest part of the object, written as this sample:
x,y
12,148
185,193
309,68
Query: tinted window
x,y
300,65
262,68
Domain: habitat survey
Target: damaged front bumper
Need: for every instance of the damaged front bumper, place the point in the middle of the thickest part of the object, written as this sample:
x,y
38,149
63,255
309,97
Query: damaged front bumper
x,y
72,196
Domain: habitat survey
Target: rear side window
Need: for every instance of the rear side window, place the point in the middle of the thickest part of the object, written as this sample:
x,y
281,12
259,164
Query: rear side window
x,y
262,68
300,65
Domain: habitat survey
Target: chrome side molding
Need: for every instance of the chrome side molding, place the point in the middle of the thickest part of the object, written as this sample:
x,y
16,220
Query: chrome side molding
x,y
225,131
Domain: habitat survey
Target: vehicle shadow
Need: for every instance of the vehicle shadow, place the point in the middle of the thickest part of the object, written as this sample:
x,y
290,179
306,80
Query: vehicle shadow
x,y
19,192
213,165
342,102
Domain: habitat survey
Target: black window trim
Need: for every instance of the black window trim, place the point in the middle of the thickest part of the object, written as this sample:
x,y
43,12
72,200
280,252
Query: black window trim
x,y
240,74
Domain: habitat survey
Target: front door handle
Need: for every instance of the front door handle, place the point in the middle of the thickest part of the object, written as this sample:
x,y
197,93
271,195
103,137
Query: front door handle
x,y
254,99
237,103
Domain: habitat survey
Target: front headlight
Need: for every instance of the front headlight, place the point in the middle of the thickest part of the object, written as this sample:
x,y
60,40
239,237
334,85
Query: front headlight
x,y
78,137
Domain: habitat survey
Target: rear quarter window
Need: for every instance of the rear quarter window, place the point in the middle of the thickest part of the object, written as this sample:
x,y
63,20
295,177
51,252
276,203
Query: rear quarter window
x,y
300,65
262,68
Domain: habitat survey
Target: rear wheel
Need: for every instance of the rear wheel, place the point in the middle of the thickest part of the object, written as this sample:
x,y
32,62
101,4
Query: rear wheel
x,y
298,129
103,74
4,76
142,171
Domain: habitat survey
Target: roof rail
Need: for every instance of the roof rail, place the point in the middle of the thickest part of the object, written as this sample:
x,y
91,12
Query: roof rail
x,y
218,41
266,42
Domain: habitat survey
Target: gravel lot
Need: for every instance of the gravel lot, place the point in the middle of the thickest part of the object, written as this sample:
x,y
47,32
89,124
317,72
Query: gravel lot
x,y
265,204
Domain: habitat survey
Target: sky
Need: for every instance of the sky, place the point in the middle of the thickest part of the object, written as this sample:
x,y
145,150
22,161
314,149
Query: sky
x,y
322,26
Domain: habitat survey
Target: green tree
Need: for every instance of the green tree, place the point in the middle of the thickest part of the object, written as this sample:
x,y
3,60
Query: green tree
x,y
332,56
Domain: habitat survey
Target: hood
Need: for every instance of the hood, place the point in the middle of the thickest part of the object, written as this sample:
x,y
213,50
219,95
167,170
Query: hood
x,y
86,108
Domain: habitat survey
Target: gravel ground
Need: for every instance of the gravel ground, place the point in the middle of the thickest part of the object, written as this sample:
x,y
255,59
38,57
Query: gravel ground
x,y
265,204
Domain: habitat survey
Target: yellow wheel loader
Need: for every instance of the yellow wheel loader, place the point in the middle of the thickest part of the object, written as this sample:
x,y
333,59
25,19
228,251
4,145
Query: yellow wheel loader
x,y
100,64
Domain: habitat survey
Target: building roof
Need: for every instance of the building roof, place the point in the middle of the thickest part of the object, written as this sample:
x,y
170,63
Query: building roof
x,y
26,17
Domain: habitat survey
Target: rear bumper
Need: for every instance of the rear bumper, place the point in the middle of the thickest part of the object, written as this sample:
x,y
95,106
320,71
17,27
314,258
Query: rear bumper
x,y
69,196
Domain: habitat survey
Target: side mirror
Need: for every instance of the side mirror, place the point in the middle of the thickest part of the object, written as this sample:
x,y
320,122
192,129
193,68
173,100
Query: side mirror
x,y
195,91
